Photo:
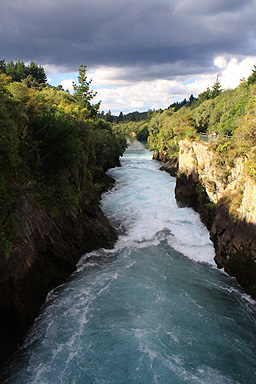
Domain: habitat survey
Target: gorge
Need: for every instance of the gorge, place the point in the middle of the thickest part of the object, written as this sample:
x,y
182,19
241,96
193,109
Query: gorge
x,y
125,288
154,309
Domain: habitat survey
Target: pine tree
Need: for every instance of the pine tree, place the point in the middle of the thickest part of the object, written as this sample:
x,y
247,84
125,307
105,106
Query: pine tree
x,y
205,95
10,70
252,77
2,66
82,94
37,73
216,88
21,71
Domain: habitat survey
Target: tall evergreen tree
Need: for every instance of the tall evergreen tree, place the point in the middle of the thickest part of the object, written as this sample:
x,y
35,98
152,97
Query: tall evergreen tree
x,y
252,77
10,70
37,73
216,88
121,116
21,70
205,95
82,94
2,66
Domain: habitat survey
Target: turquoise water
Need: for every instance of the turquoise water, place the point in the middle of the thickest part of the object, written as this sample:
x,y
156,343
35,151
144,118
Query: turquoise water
x,y
155,309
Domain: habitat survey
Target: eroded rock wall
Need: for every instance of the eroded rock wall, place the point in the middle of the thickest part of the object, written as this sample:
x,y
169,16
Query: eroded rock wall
x,y
45,254
220,180
226,200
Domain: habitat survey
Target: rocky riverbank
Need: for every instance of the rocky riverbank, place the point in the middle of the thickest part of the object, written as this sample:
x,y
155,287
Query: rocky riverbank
x,y
44,257
225,199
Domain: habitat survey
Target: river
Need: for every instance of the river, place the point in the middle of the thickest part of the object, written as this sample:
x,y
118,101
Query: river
x,y
155,309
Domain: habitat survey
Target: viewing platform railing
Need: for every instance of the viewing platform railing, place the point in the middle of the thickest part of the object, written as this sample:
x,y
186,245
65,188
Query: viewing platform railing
x,y
207,137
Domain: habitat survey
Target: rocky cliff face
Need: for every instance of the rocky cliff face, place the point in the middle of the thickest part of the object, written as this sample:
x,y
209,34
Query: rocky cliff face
x,y
220,179
226,201
45,255
170,165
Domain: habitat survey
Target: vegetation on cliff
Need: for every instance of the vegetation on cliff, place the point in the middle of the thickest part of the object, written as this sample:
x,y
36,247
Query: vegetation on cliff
x,y
54,151
222,112
228,114
134,123
226,119
54,147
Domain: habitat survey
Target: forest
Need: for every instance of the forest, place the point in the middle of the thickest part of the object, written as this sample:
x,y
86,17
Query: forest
x,y
54,145
228,114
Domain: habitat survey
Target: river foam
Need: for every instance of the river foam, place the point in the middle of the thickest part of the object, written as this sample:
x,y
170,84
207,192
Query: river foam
x,y
146,210
153,310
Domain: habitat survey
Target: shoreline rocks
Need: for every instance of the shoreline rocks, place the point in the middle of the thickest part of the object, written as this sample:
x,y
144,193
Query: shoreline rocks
x,y
171,166
45,255
234,241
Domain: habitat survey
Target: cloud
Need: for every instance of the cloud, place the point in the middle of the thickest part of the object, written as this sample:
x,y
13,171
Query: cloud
x,y
126,33
129,42
221,62
160,93
68,84
235,70
142,96
218,7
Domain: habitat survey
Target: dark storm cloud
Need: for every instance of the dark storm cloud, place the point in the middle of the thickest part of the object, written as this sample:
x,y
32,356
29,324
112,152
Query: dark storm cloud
x,y
159,38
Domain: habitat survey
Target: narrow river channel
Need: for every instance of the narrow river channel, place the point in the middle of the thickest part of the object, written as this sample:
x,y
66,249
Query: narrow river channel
x,y
155,309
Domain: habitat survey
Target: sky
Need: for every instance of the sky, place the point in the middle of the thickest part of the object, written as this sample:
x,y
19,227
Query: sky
x,y
140,54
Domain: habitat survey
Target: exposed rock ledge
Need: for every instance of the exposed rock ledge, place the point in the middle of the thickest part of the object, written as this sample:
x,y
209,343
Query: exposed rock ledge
x,y
170,165
205,186
46,256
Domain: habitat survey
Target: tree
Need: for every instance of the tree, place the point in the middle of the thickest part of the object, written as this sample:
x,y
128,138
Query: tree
x,y
30,82
17,71
42,78
109,117
8,134
53,138
21,71
216,88
192,101
2,66
10,70
37,73
205,95
121,116
202,114
252,78
82,94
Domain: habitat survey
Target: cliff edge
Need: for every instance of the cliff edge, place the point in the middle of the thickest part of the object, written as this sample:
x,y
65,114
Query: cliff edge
x,y
226,200
44,256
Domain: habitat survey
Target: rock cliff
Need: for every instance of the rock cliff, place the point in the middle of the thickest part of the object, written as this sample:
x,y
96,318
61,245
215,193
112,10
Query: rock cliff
x,y
170,165
226,200
44,256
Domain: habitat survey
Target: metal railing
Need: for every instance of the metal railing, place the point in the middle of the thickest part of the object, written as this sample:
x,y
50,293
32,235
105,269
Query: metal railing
x,y
207,137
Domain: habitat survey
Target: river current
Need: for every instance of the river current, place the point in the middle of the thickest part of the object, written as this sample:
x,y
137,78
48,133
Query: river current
x,y
155,309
